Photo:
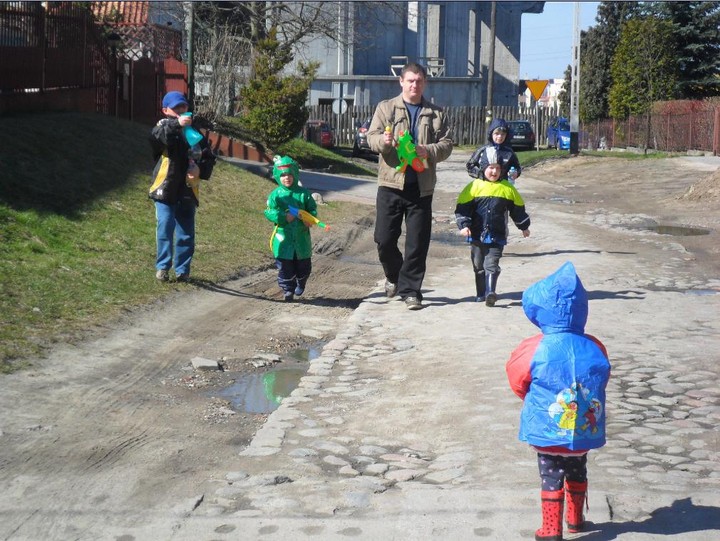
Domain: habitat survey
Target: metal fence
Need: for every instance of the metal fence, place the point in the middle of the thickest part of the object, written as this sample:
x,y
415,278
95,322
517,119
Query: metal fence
x,y
693,131
696,130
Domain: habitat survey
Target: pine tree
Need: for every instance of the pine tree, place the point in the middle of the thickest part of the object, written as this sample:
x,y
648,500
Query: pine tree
x,y
274,107
696,27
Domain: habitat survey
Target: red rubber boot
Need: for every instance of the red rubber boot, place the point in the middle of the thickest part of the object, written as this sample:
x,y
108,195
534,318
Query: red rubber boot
x,y
552,515
575,500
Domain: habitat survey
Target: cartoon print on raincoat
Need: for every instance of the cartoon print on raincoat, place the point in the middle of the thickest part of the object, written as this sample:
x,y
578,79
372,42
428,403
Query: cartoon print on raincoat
x,y
575,409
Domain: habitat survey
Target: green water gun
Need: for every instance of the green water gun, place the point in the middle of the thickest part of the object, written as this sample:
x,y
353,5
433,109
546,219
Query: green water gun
x,y
408,155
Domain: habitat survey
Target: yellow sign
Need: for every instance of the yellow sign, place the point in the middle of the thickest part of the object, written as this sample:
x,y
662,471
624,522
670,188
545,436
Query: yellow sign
x,y
536,88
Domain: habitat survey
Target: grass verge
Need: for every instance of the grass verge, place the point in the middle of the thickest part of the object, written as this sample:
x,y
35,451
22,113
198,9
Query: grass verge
x,y
77,230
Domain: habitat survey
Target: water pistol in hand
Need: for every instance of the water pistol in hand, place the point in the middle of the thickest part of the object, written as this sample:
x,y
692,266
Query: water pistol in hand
x,y
408,155
192,136
307,218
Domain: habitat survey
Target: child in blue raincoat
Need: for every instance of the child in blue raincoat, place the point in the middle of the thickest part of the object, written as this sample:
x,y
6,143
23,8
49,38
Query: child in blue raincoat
x,y
561,376
290,242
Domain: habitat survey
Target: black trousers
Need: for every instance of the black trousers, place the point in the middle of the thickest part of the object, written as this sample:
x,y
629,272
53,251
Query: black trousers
x,y
293,273
393,206
486,257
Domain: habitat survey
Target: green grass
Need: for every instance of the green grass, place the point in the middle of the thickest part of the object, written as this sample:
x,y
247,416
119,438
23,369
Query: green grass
x,y
528,158
77,230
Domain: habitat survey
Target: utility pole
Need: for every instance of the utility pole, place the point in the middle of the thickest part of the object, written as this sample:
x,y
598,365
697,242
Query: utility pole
x,y
190,26
491,66
575,86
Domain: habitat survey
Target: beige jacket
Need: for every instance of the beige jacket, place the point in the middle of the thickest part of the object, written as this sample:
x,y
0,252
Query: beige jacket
x,y
432,132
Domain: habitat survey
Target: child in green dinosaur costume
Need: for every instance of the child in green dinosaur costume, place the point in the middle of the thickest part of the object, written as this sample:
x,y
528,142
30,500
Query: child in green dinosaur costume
x,y
290,241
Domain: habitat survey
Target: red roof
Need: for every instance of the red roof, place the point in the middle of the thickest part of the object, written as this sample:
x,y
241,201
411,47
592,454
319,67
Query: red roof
x,y
121,13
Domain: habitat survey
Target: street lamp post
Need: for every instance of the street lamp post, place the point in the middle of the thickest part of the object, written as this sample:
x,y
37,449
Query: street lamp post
x,y
114,40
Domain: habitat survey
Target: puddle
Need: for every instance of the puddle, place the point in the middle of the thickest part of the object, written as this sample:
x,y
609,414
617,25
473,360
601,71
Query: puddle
x,y
263,392
702,292
698,292
675,230
561,200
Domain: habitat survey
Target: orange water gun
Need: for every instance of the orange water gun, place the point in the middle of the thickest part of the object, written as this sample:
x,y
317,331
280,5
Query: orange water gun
x,y
307,218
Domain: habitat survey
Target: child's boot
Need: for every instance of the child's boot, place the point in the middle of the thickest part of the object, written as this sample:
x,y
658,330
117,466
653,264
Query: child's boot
x,y
575,493
288,296
480,286
552,516
490,285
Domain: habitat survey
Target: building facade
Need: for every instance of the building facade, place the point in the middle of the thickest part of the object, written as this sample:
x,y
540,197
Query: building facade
x,y
452,39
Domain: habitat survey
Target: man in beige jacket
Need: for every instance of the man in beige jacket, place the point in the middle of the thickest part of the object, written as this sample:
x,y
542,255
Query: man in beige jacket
x,y
407,194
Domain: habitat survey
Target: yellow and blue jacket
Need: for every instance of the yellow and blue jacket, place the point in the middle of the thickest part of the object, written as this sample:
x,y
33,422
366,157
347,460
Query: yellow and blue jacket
x,y
484,207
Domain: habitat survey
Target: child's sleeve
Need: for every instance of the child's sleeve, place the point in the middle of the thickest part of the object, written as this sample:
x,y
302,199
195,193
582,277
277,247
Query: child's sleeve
x,y
518,214
273,212
165,134
473,164
518,366
465,206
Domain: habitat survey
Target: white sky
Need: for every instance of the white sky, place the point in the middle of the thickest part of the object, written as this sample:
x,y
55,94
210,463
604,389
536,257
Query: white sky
x,y
547,38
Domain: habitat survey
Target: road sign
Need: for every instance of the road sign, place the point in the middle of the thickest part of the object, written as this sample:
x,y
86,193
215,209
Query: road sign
x,y
537,88
339,106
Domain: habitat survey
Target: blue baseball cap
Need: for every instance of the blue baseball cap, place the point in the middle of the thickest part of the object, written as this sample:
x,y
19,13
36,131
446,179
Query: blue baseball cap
x,y
173,99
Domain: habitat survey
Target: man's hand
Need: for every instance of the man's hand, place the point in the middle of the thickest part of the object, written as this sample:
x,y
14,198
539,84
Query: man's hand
x,y
388,136
421,151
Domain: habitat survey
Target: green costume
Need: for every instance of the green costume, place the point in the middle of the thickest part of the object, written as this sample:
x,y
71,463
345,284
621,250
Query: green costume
x,y
289,239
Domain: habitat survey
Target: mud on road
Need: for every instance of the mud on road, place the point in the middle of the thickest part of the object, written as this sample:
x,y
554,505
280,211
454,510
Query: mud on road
x,y
121,424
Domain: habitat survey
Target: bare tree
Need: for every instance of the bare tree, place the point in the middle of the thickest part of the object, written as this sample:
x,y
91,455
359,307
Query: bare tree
x,y
221,69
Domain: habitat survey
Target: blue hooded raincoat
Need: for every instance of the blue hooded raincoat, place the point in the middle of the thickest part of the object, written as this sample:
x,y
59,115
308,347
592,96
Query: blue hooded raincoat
x,y
562,373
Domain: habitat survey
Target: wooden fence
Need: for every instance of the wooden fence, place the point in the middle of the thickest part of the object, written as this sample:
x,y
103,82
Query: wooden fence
x,y
55,57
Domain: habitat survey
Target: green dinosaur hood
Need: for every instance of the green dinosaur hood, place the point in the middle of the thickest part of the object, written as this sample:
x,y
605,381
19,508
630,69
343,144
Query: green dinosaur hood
x,y
285,164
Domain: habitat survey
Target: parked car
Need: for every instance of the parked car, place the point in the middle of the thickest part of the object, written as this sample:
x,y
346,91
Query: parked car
x,y
320,133
521,135
360,143
558,134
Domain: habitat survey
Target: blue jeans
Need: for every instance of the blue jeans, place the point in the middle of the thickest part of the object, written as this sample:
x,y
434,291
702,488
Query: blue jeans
x,y
175,235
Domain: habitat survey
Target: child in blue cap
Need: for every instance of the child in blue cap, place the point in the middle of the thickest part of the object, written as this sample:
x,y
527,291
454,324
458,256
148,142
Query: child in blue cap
x,y
175,187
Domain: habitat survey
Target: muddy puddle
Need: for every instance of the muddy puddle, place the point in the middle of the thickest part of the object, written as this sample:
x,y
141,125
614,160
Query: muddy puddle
x,y
263,392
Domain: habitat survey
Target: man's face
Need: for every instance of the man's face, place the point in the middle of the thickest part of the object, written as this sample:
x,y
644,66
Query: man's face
x,y
499,136
412,85
492,172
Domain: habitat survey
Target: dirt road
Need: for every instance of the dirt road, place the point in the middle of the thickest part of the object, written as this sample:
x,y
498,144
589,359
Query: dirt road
x,y
122,424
